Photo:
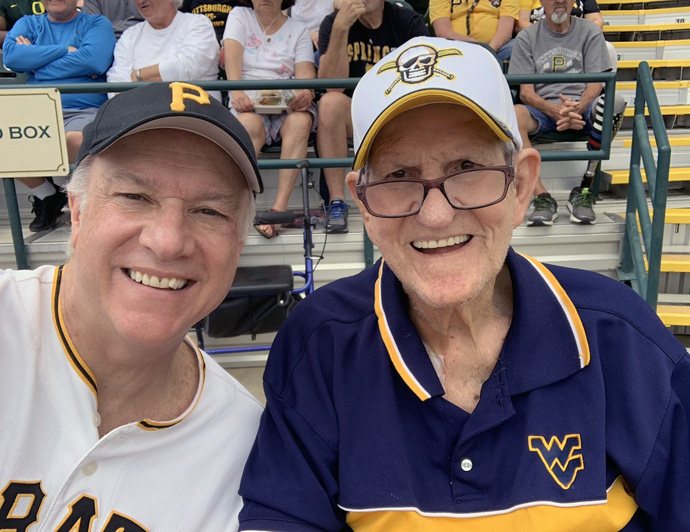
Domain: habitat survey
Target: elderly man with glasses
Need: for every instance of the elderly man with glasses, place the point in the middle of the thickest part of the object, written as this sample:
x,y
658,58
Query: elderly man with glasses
x,y
465,386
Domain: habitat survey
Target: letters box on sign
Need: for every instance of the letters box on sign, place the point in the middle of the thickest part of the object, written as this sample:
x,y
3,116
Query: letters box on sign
x,y
32,136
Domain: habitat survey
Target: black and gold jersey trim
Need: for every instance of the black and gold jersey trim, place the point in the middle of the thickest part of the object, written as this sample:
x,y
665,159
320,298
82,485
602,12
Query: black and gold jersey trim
x,y
74,359
148,424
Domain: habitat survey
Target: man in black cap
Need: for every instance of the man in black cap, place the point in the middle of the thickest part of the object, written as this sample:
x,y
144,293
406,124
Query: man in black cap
x,y
112,418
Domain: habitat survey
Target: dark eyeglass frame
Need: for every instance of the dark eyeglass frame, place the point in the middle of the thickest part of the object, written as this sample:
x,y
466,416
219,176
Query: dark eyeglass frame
x,y
361,187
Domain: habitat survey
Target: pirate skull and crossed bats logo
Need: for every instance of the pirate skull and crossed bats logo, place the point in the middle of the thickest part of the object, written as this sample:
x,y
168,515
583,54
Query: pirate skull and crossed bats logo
x,y
418,64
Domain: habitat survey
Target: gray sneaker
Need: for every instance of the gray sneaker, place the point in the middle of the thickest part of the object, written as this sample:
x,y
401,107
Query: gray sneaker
x,y
545,210
580,206
336,217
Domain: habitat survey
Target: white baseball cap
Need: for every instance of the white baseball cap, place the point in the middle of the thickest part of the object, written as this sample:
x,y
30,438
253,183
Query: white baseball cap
x,y
428,70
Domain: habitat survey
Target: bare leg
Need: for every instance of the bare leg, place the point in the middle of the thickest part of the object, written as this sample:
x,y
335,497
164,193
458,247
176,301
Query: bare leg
x,y
334,128
295,134
74,140
255,127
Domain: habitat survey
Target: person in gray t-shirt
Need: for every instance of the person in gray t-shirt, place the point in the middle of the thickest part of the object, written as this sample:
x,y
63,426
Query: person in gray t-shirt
x,y
561,43
121,13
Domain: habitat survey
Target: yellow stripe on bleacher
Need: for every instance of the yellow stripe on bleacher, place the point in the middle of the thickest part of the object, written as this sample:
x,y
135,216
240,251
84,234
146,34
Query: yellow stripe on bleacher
x,y
671,217
654,63
675,263
621,177
651,44
660,11
674,315
677,216
658,85
610,2
666,110
647,27
674,140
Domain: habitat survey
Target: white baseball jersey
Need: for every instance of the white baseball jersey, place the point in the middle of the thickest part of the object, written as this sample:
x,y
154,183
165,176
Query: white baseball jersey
x,y
57,475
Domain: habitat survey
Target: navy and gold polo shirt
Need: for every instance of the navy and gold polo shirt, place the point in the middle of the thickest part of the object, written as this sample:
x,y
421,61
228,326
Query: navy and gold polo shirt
x,y
583,424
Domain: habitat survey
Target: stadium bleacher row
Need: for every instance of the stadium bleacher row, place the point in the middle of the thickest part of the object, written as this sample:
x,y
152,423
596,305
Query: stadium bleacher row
x,y
656,31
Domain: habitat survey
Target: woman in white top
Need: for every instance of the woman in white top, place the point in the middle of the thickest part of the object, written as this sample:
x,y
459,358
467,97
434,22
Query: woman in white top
x,y
260,42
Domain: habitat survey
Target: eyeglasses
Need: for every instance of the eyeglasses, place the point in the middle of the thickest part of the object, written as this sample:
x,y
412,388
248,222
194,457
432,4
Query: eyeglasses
x,y
465,190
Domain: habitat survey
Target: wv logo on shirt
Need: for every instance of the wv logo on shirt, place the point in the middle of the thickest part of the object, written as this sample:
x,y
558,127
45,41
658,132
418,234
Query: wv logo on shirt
x,y
560,457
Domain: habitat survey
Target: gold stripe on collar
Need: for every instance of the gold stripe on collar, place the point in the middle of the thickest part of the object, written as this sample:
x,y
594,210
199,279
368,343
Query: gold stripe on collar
x,y
391,346
569,310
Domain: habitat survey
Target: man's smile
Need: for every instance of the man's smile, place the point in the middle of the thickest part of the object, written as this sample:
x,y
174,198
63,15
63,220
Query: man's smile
x,y
154,281
451,242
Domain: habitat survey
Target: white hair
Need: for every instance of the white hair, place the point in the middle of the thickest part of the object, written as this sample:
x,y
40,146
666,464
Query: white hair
x,y
177,3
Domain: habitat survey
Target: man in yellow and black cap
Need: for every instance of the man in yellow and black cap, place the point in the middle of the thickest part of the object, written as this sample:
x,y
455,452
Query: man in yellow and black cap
x,y
458,385
113,420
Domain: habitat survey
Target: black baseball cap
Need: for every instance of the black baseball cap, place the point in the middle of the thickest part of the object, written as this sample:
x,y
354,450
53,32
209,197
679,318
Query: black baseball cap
x,y
174,105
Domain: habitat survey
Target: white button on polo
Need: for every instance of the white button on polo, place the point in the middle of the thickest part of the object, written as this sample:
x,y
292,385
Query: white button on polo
x,y
89,469
466,464
96,419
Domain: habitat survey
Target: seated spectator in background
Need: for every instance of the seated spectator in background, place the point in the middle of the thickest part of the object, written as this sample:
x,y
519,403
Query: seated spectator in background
x,y
12,10
487,21
458,385
351,41
61,46
216,11
261,42
137,425
121,13
561,43
311,13
167,46
531,11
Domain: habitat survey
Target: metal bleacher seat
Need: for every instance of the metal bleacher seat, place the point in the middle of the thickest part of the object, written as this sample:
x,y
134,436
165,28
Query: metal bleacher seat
x,y
647,32
652,50
639,4
641,17
9,77
668,92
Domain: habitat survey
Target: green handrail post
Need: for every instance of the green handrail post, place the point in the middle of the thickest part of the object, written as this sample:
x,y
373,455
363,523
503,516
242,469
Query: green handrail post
x,y
15,224
642,268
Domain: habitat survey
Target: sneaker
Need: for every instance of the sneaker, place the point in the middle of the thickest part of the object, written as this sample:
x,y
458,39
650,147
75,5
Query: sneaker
x,y
580,206
47,211
337,217
545,210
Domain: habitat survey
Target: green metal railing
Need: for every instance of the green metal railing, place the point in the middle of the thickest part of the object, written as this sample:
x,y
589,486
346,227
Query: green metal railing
x,y
644,278
608,78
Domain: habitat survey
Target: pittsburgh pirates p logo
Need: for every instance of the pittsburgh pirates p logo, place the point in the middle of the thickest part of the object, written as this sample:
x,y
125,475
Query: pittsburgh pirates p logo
x,y
179,95
559,457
